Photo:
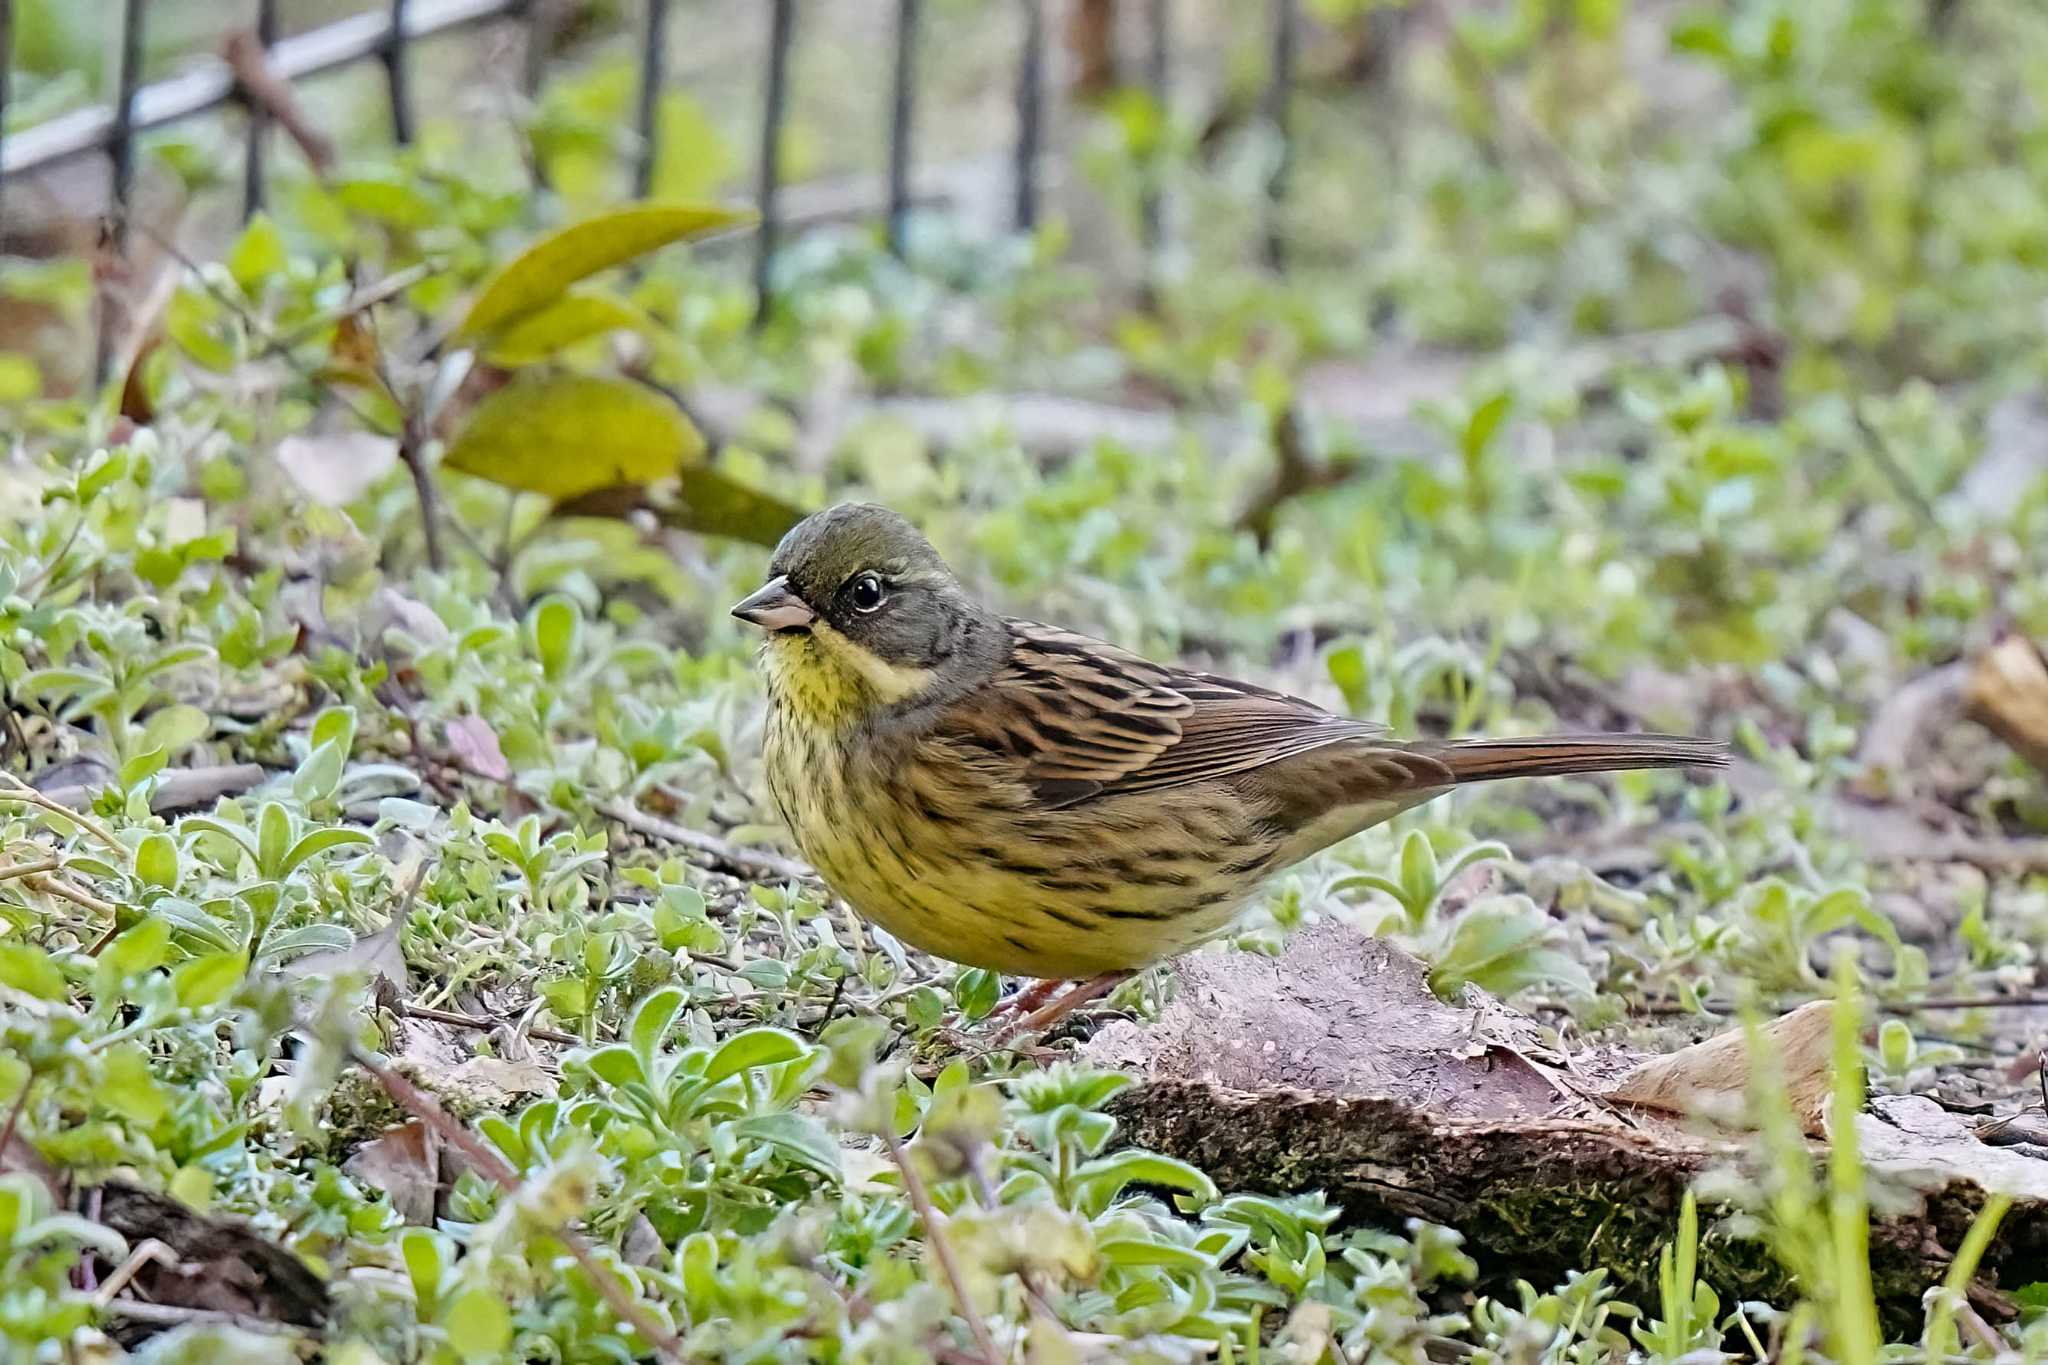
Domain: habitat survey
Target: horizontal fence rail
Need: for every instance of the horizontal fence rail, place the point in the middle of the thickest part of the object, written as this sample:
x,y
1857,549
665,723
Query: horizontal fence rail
x,y
384,34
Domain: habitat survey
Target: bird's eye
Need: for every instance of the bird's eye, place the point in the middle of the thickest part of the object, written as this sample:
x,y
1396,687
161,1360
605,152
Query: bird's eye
x,y
867,593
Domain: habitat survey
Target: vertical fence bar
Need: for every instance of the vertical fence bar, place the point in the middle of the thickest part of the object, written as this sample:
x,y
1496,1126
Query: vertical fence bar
x,y
396,75
540,35
259,120
1279,114
902,112
6,65
121,137
1159,80
121,144
781,32
653,70
1030,114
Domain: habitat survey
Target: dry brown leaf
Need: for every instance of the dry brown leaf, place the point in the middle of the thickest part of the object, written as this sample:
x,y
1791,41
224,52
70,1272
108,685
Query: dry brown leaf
x,y
405,1164
476,744
1710,1080
2008,695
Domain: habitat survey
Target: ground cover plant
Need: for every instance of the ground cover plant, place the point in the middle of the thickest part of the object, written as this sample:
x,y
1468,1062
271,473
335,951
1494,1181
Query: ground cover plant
x,y
398,959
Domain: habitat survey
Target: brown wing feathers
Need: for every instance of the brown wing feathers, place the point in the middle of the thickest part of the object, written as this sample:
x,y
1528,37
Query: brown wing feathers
x,y
1486,760
1084,718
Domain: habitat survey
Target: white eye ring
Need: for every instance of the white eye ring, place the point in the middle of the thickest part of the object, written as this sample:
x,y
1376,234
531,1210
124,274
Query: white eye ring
x,y
867,593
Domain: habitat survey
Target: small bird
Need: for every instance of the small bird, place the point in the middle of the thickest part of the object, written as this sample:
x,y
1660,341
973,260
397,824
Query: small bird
x,y
1022,798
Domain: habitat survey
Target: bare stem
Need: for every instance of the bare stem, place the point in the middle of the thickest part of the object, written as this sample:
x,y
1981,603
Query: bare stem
x,y
921,1199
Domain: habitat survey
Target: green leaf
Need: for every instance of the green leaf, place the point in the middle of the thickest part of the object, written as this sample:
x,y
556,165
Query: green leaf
x,y
126,1087
1139,1251
257,255
755,1047
567,996
320,774
557,625
797,1138
651,1021
540,274
137,949
336,725
156,860
616,1065
566,435
1484,425
1105,1176
30,970
208,980
320,841
141,768
975,991
273,839
478,1325
712,503
426,1257
171,728
1418,872
1503,945
576,316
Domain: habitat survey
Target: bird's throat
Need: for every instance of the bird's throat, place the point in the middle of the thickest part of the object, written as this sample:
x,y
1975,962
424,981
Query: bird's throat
x,y
822,679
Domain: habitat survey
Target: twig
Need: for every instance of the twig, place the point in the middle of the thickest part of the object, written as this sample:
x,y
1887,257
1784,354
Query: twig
x,y
260,88
410,450
12,870
170,1315
921,1199
24,792
76,895
745,861
14,1117
150,1252
493,1167
470,1021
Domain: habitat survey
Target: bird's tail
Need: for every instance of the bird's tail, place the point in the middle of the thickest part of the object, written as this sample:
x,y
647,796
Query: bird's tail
x,y
1488,760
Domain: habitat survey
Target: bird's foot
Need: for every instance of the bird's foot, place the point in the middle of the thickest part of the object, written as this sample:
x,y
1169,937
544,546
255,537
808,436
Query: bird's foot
x,y
1027,998
1046,1015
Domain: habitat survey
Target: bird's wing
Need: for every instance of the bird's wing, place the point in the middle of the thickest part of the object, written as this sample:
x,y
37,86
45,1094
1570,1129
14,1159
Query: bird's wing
x,y
1081,719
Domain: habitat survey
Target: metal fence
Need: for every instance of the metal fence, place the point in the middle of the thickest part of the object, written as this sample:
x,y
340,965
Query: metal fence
x,y
385,36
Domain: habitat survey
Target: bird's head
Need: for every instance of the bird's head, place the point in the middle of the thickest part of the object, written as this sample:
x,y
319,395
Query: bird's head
x,y
861,612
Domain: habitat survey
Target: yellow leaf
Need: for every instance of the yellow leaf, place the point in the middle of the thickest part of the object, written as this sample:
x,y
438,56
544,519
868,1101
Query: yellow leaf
x,y
567,435
538,276
702,500
709,501
576,316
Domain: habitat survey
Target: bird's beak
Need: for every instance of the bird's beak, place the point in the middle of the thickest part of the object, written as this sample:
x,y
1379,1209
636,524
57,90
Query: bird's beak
x,y
774,607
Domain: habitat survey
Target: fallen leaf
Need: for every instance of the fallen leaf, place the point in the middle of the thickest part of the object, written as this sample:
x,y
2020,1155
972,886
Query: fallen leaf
x,y
476,744
337,468
1711,1079
405,1163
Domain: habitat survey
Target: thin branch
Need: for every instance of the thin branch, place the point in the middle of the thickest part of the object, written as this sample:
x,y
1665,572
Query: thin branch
x,y
24,792
171,1315
76,895
12,870
14,1117
262,89
493,1167
745,861
470,1021
935,1236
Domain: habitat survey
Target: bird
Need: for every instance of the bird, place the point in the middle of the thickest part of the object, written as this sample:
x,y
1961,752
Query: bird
x,y
1022,798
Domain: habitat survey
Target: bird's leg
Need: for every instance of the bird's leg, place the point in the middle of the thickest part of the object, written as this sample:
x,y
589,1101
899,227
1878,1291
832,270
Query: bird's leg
x,y
1045,1016
1027,999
